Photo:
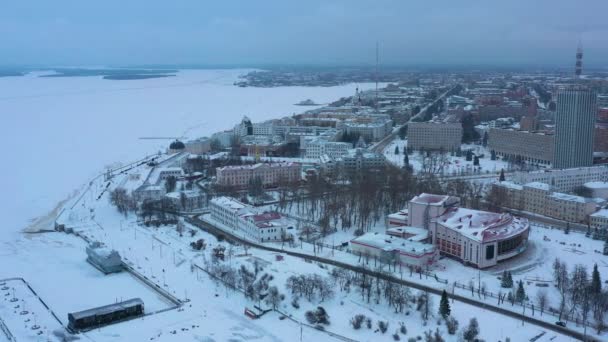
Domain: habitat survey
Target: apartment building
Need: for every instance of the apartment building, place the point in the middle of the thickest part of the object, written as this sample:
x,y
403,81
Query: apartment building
x,y
525,146
434,136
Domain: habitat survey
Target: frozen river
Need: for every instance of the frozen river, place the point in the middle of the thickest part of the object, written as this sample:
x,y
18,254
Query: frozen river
x,y
58,132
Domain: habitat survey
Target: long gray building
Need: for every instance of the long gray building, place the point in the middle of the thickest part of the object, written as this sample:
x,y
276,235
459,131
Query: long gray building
x,y
574,127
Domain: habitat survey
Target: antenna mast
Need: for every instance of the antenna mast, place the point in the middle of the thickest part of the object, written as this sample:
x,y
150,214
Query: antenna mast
x,y
376,74
579,61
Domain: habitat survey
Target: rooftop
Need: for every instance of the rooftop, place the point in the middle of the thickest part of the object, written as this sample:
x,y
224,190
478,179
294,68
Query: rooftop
x,y
482,226
430,199
597,185
538,185
603,213
390,243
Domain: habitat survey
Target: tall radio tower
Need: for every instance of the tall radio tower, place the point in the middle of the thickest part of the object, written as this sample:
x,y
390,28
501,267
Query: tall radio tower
x,y
579,61
376,74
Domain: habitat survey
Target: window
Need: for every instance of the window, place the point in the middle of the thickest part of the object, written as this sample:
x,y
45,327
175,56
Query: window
x,y
490,252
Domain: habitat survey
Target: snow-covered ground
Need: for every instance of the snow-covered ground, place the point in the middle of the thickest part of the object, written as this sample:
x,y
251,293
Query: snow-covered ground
x,y
152,250
61,131
454,165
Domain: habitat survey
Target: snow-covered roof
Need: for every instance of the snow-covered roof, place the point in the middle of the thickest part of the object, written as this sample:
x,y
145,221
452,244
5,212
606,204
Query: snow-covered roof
x,y
570,198
187,193
597,185
409,233
430,199
510,185
538,185
482,226
603,213
258,166
400,215
390,243
228,202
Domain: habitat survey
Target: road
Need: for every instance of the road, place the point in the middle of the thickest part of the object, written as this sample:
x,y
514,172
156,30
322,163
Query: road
x,y
381,145
196,221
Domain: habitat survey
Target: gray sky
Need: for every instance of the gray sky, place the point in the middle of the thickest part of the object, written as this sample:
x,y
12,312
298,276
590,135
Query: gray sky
x,y
410,32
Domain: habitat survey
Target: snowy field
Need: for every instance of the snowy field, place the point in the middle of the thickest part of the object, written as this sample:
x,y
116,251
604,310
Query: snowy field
x,y
62,131
153,249
454,166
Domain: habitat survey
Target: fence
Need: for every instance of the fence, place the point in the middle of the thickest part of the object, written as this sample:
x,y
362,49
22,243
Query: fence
x,y
523,305
7,332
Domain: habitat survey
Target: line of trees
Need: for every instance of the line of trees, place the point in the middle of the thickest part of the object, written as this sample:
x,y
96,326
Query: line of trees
x,y
581,296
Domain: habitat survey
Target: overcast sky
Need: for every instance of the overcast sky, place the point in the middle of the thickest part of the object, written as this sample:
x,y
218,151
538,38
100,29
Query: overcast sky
x,y
249,32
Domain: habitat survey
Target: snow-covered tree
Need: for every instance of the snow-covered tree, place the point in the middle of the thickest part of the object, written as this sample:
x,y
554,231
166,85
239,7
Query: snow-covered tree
x,y
471,331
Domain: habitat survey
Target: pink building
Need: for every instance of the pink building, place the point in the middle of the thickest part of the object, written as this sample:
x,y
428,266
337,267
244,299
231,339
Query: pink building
x,y
271,174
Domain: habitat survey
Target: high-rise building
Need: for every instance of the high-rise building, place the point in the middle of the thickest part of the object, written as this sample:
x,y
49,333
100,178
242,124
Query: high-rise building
x,y
574,127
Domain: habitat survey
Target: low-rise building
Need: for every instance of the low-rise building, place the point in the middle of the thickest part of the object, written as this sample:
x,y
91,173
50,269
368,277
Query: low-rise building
x,y
198,146
598,189
479,238
536,197
564,180
434,136
248,221
599,221
188,200
398,219
271,174
391,249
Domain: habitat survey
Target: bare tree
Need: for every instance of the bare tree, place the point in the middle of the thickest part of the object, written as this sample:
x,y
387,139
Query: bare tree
x,y
542,299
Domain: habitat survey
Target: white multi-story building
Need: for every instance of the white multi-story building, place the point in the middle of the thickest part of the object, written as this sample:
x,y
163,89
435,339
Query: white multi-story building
x,y
536,197
372,131
269,173
599,220
564,180
318,147
434,136
249,222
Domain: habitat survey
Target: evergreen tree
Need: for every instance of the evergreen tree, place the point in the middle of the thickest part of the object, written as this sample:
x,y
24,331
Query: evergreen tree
x,y
588,234
492,155
485,139
444,305
504,282
469,155
510,279
520,295
567,230
501,178
406,160
596,282
606,247
510,297
476,161
396,149
471,332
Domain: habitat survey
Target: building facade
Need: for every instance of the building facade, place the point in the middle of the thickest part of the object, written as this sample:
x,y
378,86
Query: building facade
x,y
271,174
564,180
318,147
525,146
574,127
434,136
249,222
